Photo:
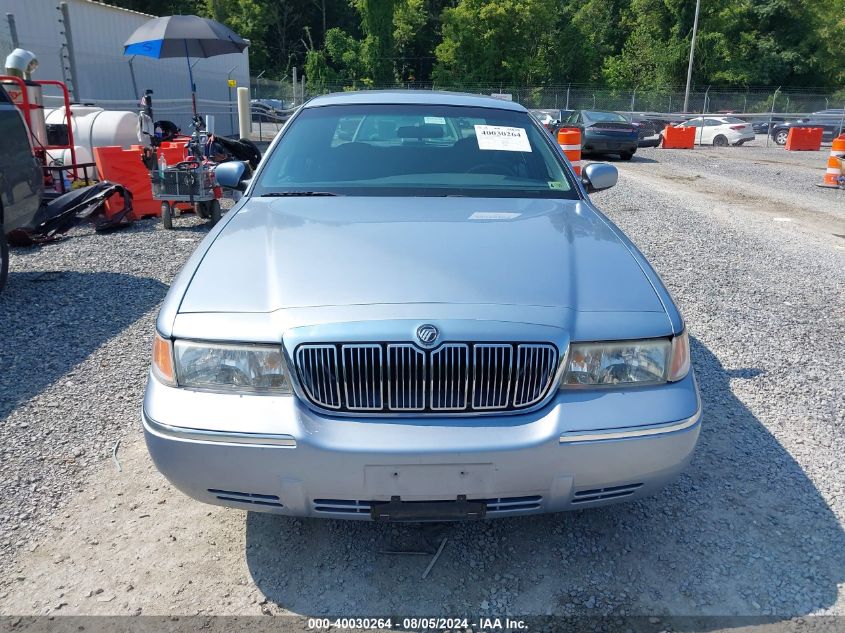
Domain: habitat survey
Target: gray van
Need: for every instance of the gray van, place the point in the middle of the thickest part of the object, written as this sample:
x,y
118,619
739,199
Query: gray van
x,y
21,180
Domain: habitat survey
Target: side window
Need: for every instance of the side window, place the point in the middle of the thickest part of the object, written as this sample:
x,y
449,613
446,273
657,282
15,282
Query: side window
x,y
693,123
4,98
712,122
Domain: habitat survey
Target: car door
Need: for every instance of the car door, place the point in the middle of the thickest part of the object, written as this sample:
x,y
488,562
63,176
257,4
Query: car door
x,y
698,124
710,130
21,179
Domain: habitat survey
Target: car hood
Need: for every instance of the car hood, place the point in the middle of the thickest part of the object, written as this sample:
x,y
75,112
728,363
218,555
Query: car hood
x,y
278,253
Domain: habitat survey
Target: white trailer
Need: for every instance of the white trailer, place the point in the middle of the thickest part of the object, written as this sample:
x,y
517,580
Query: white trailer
x,y
80,42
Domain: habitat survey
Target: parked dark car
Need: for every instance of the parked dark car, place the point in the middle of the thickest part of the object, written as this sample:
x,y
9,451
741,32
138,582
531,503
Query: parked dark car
x,y
829,120
20,178
605,132
648,130
761,126
268,110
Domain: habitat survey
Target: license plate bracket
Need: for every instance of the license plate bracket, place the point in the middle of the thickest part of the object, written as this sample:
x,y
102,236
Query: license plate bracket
x,y
397,510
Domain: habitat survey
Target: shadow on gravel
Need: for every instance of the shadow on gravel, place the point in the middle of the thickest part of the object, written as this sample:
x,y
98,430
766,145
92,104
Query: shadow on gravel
x,y
743,532
614,158
54,320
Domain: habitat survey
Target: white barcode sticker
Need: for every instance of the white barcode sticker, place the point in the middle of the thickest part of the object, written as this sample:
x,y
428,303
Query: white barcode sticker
x,y
435,120
502,138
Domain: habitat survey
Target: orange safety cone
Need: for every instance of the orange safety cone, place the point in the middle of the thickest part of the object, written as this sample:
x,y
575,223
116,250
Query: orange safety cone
x,y
570,142
834,164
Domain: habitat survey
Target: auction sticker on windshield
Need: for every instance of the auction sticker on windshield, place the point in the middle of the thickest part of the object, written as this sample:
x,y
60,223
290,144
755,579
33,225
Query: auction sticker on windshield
x,y
502,138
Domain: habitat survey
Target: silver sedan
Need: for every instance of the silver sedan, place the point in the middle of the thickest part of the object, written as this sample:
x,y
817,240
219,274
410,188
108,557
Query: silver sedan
x,y
415,313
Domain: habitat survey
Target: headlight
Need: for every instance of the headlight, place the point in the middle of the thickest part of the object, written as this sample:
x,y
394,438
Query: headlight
x,y
219,367
643,362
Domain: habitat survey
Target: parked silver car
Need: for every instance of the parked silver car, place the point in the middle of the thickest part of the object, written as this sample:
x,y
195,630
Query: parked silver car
x,y
416,313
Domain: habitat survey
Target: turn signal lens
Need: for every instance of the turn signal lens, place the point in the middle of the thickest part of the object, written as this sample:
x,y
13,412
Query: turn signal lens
x,y
680,357
163,360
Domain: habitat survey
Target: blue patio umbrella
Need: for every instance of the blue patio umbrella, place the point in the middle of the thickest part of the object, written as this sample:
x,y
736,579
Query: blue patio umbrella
x,y
184,36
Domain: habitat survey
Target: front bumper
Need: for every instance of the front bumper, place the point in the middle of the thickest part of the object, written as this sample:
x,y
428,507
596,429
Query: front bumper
x,y
583,449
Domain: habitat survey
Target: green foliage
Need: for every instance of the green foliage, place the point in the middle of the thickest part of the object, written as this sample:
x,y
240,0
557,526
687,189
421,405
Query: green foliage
x,y
621,44
377,48
512,42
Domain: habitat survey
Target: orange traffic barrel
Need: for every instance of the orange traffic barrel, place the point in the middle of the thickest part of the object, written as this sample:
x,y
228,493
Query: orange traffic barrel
x,y
834,163
569,140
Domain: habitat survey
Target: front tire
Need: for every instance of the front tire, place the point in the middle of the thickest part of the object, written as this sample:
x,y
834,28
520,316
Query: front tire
x,y
4,259
166,215
214,211
781,136
720,141
626,155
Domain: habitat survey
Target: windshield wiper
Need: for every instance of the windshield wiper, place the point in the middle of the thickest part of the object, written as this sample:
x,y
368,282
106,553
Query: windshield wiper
x,y
286,194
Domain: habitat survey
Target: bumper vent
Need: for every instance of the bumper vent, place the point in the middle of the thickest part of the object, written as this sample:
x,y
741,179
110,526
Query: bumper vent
x,y
383,378
252,498
600,494
342,506
494,506
513,504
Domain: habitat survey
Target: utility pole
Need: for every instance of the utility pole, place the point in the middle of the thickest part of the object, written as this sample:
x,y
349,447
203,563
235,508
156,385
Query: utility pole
x,y
691,54
13,30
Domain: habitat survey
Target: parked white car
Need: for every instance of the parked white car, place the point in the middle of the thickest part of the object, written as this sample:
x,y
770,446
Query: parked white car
x,y
720,131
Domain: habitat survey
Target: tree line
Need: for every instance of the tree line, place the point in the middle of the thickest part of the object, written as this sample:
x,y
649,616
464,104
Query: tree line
x,y
618,44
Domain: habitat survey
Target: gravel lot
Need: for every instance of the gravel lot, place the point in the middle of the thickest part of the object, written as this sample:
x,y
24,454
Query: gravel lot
x,y
752,251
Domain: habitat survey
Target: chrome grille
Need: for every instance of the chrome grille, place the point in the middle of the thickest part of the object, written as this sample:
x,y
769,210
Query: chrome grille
x,y
317,367
406,376
362,377
401,377
535,368
449,377
491,381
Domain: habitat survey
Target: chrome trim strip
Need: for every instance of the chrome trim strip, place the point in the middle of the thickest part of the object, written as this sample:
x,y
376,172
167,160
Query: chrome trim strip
x,y
225,437
629,432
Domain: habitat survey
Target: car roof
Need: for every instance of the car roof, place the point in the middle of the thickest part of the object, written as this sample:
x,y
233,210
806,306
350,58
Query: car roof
x,y
417,97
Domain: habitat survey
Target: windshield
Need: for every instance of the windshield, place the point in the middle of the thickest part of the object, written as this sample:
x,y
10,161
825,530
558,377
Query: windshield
x,y
604,116
416,150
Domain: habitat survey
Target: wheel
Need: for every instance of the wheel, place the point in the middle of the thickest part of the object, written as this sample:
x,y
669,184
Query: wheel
x,y
720,141
739,143
780,137
166,215
626,155
203,210
215,212
4,259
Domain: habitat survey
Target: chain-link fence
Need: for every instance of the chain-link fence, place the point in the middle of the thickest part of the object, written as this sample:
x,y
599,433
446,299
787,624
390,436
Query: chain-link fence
x,y
283,96
575,96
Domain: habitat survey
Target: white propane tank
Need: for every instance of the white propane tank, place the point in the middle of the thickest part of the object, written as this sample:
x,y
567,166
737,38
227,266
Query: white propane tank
x,y
96,127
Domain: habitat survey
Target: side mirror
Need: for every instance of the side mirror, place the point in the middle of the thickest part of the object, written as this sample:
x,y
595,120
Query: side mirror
x,y
232,175
598,176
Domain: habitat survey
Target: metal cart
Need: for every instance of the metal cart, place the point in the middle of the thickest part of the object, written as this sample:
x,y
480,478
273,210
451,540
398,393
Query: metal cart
x,y
190,182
